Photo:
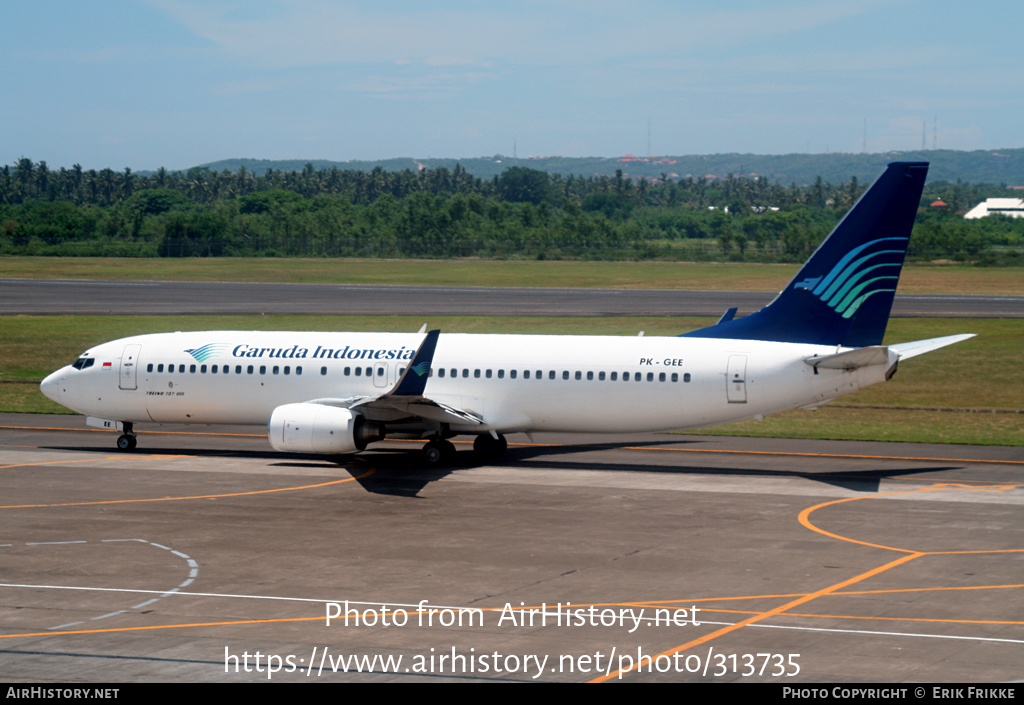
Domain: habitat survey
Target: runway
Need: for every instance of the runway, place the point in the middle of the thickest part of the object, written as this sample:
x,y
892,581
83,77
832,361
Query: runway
x,y
207,557
67,296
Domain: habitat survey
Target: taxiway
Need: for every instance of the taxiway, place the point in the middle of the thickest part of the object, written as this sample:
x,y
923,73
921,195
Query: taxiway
x,y
806,561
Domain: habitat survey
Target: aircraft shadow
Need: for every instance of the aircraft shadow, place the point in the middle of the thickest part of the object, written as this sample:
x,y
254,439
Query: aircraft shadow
x,y
394,466
401,472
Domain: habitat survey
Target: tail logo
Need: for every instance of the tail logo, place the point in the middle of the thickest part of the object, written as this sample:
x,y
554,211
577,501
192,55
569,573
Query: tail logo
x,y
207,351
421,368
862,273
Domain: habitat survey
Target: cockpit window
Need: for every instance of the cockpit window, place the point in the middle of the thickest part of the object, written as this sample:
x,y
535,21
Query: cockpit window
x,y
83,362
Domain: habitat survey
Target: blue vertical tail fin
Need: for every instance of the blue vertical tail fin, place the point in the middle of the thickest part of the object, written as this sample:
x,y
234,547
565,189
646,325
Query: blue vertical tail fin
x,y
843,294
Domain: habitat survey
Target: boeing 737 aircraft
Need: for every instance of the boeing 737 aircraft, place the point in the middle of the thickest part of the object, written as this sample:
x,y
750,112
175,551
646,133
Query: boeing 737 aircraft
x,y
334,393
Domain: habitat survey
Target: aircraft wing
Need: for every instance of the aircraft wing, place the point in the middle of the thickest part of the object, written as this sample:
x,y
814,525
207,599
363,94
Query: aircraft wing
x,y
405,401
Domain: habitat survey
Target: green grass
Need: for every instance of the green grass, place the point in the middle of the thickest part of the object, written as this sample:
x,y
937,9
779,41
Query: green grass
x,y
840,422
918,279
972,392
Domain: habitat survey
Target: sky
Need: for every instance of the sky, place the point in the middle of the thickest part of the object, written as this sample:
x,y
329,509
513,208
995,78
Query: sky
x,y
177,83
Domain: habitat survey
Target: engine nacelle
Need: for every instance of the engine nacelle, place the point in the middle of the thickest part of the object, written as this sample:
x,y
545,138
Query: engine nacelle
x,y
316,428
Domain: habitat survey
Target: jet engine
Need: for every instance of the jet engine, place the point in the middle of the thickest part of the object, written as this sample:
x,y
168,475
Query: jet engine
x,y
316,428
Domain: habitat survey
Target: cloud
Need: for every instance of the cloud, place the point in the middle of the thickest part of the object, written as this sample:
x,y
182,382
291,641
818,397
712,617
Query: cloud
x,y
452,33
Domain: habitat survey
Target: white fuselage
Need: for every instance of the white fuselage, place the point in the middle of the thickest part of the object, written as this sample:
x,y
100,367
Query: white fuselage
x,y
513,382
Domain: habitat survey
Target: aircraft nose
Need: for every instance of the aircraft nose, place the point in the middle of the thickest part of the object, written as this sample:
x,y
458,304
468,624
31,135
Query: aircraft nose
x,y
51,386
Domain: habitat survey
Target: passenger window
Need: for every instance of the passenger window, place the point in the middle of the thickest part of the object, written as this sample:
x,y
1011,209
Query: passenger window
x,y
298,370
238,369
526,374
625,376
511,374
675,376
160,368
263,369
149,367
476,373
565,374
590,375
650,376
359,372
192,369
323,370
465,372
686,377
276,369
287,369
202,369
661,376
249,369
181,368
579,375
600,376
213,369
488,374
440,372
551,374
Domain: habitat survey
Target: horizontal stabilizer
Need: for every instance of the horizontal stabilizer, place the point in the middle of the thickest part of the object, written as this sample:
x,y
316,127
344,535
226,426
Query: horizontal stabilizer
x,y
919,347
851,359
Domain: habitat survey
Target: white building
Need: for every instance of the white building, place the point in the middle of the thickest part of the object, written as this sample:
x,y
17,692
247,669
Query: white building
x,y
1013,207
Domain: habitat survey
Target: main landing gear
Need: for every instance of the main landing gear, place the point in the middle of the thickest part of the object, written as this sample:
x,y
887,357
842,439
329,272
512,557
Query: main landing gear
x,y
127,441
441,451
488,447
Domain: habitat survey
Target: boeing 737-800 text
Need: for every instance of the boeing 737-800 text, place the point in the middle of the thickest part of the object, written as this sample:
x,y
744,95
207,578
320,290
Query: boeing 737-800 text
x,y
334,393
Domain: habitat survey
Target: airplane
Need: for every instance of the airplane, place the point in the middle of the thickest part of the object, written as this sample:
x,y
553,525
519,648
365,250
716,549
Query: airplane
x,y
334,393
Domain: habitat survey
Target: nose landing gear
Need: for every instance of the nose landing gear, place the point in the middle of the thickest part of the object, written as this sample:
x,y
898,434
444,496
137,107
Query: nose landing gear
x,y
126,441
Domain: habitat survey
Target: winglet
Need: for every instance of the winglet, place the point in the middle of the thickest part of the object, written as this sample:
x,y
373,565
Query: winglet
x,y
414,380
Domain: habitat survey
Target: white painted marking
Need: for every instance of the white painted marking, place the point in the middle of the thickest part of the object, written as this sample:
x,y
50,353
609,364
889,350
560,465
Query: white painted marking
x,y
69,624
52,543
192,574
111,614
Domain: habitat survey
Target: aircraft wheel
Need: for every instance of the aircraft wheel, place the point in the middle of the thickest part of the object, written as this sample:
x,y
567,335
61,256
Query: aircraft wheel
x,y
487,446
438,452
126,442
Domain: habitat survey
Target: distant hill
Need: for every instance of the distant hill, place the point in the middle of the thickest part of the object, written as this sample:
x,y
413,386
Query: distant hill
x,y
1002,166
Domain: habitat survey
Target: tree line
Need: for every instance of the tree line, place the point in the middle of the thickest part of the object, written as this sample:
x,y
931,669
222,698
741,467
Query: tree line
x,y
446,213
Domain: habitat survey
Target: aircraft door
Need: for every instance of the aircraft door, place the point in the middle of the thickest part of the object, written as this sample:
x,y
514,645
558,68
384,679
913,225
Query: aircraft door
x,y
380,375
128,378
736,379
